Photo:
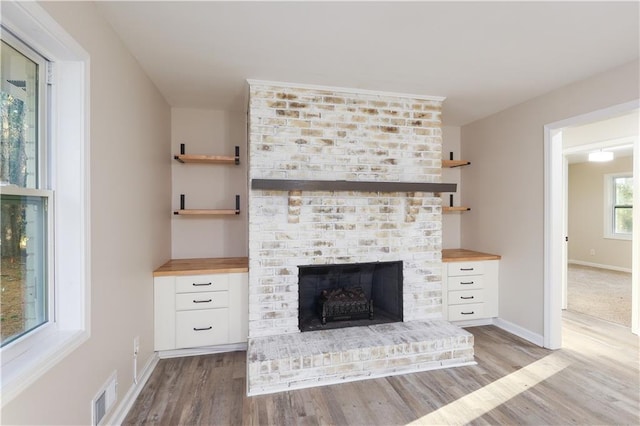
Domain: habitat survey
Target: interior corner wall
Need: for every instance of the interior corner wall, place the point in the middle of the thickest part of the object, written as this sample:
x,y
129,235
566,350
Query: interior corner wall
x,y
451,221
586,201
207,186
505,185
130,226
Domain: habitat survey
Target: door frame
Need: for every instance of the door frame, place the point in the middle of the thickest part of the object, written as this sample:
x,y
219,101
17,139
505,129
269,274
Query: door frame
x,y
555,215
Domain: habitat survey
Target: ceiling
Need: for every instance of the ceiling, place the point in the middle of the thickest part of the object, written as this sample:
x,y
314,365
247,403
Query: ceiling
x,y
482,56
616,134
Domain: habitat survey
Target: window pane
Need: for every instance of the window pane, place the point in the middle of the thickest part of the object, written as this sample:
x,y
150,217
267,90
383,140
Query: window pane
x,y
19,101
623,219
23,243
624,191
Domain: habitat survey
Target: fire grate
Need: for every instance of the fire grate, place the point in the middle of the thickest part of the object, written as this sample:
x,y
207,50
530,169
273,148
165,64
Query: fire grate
x,y
342,304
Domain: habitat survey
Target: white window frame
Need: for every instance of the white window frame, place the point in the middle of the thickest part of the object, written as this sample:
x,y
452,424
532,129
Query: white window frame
x,y
609,211
29,357
41,183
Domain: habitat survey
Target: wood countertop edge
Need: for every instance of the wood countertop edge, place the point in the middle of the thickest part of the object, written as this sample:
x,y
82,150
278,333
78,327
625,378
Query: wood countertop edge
x,y
223,265
464,255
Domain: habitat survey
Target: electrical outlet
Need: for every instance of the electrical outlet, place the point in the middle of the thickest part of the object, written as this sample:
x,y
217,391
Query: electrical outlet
x,y
136,345
592,252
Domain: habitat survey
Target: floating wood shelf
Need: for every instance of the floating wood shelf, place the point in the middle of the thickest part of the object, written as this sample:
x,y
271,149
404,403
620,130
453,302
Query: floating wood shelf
x,y
451,208
448,209
206,212
343,185
449,164
208,159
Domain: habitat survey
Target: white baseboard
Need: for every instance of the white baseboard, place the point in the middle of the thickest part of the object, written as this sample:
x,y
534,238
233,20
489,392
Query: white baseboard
x,y
599,265
121,411
205,350
536,339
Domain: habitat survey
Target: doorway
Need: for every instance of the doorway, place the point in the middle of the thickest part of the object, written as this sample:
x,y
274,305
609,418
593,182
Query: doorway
x,y
556,246
599,190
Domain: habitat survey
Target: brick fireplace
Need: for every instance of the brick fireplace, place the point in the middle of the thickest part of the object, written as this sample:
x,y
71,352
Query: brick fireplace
x,y
322,134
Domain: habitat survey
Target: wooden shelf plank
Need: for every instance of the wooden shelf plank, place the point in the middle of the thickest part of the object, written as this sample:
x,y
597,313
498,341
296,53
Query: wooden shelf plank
x,y
454,163
207,159
344,185
446,209
205,212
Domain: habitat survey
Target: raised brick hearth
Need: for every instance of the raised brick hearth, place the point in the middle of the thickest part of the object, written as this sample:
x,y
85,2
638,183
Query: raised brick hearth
x,y
298,133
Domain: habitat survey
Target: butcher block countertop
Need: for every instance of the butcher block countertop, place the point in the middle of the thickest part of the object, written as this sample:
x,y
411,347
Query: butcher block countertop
x,y
217,265
464,255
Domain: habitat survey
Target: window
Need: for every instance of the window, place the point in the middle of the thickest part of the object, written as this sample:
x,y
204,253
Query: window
x,y
619,208
44,158
24,202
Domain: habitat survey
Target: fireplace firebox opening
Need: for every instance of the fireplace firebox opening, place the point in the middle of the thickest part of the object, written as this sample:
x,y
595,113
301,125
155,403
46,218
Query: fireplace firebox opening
x,y
349,295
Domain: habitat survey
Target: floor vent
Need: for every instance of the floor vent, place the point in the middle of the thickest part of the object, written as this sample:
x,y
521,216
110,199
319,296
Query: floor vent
x,y
104,400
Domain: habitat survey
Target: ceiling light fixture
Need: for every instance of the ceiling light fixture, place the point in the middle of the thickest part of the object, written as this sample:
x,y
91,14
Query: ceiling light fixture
x,y
601,156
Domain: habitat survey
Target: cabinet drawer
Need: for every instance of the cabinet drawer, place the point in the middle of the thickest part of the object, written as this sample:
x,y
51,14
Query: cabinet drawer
x,y
470,282
466,312
465,297
191,283
455,269
202,300
202,328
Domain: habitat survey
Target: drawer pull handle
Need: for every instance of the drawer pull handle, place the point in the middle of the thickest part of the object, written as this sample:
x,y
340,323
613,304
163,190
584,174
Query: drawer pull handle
x,y
461,297
466,269
466,282
202,301
200,284
202,329
463,313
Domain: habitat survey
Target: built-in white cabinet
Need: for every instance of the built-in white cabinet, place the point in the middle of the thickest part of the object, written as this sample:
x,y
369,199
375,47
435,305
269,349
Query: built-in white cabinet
x,y
199,310
470,289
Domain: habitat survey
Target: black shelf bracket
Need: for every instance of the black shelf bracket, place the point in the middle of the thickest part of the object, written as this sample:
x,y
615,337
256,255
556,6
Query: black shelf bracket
x,y
237,156
237,203
459,165
177,157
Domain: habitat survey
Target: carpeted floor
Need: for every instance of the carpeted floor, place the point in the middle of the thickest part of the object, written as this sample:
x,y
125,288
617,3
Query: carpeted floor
x,y
600,293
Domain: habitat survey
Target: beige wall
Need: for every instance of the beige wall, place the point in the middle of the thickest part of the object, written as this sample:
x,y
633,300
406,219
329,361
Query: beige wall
x,y
130,226
451,221
586,215
505,185
206,186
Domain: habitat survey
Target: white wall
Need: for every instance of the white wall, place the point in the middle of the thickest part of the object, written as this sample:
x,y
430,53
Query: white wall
x,y
586,198
505,185
451,221
206,186
130,232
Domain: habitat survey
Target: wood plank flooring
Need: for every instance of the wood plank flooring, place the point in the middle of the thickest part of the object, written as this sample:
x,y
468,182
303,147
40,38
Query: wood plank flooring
x,y
592,380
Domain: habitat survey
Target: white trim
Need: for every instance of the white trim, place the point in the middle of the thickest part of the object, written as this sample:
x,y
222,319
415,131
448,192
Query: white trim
x,y
121,411
252,82
554,238
205,350
599,265
516,330
473,323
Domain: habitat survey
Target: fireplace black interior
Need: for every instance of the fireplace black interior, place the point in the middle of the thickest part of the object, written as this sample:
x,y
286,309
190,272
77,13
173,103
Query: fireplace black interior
x,y
381,283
